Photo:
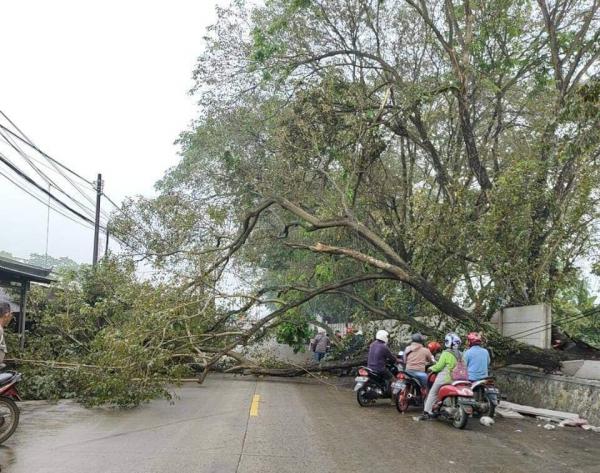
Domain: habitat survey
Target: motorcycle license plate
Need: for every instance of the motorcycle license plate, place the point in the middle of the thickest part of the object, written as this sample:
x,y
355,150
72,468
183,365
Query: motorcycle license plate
x,y
398,386
361,379
358,386
492,391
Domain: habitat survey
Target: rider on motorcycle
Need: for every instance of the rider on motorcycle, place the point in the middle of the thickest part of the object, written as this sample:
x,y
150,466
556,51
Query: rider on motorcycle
x,y
379,354
434,347
417,357
443,368
476,358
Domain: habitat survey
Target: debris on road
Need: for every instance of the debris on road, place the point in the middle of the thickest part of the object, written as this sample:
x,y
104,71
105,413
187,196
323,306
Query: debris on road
x,y
551,418
508,414
535,411
487,421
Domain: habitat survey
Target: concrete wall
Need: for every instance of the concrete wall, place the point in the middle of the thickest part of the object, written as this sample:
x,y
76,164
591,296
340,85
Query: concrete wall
x,y
528,324
551,392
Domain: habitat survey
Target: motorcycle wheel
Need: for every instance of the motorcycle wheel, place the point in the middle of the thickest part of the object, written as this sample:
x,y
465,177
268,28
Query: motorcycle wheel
x,y
402,400
481,398
9,418
460,418
361,397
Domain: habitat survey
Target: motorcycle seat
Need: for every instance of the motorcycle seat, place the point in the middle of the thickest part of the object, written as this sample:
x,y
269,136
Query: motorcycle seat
x,y
458,383
5,377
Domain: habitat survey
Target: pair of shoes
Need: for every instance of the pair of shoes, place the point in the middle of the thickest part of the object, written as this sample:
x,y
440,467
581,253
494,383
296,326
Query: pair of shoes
x,y
427,416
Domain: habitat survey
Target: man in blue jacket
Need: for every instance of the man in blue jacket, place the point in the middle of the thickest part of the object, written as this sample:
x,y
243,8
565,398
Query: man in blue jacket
x,y
476,358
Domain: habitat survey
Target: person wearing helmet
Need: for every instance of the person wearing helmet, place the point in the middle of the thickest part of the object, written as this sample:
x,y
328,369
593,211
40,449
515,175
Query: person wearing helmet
x,y
476,358
434,347
444,366
379,354
417,357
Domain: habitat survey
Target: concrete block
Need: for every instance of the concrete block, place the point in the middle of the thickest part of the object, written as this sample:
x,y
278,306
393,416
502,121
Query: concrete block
x,y
571,367
590,369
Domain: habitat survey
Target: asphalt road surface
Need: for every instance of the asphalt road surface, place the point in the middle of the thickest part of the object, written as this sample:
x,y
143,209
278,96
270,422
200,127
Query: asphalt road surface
x,y
231,425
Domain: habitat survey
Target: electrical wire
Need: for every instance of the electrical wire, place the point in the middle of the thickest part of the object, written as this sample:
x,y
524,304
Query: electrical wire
x,y
24,176
559,323
55,164
58,211
28,143
44,176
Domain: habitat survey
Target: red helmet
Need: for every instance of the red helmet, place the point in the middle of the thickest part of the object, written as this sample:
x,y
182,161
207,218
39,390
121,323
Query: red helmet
x,y
434,347
474,338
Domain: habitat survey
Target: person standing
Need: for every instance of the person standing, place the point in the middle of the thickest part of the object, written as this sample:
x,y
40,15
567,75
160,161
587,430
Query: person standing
x,y
320,344
5,318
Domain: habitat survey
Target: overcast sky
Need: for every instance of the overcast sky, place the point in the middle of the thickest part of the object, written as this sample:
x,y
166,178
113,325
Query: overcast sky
x,y
102,87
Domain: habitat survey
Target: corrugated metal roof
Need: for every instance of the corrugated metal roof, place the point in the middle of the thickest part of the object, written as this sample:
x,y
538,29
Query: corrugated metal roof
x,y
11,270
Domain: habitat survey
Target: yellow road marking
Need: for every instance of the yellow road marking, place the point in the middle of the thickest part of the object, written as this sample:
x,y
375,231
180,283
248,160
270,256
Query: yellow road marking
x,y
254,406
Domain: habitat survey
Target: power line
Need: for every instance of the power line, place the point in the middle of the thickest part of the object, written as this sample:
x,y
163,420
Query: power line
x,y
50,158
55,164
559,322
52,196
58,211
44,176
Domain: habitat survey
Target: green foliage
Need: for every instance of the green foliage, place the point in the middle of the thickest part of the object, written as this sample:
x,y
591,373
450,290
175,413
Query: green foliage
x,y
381,117
102,337
294,331
569,308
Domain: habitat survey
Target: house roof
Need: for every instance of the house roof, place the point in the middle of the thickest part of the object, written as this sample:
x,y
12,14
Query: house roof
x,y
15,271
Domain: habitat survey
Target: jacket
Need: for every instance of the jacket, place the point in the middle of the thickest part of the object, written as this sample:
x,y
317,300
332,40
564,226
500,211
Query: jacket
x,y
416,357
379,353
477,359
321,342
447,362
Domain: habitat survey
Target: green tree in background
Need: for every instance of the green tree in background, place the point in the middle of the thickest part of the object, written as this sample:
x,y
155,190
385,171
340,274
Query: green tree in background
x,y
434,158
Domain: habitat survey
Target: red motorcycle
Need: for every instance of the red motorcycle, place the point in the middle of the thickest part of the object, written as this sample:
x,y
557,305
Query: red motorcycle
x,y
408,391
455,402
9,412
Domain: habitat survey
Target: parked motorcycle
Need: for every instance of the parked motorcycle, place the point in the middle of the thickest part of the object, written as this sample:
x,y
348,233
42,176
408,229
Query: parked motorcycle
x,y
9,412
371,386
455,402
408,391
486,396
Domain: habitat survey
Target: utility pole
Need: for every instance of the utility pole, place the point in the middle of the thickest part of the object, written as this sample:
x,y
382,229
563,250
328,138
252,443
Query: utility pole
x,y
99,184
107,237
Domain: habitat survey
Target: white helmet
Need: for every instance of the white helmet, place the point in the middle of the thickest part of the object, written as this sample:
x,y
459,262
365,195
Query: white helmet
x,y
382,335
452,340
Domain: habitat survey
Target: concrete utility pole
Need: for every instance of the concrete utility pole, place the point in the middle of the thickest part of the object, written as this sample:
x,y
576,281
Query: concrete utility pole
x,y
99,184
107,237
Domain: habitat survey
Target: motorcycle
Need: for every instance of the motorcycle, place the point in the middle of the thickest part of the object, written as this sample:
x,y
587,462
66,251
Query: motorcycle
x,y
9,412
486,397
408,391
455,402
371,386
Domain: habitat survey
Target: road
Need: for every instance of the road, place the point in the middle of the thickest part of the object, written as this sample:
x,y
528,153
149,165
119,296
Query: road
x,y
294,427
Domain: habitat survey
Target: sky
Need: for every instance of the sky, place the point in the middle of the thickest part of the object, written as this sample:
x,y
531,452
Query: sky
x,y
101,86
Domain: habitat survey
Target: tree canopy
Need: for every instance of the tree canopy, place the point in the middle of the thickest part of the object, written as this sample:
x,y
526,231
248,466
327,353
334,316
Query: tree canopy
x,y
428,161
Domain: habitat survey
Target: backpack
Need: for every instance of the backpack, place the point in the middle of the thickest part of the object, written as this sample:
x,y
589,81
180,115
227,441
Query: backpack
x,y
460,373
